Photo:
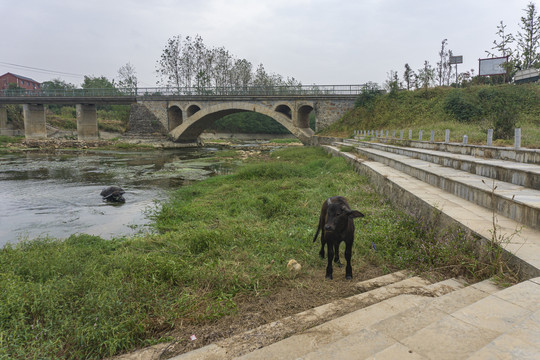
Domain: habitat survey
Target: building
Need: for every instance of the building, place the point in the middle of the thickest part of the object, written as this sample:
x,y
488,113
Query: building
x,y
20,81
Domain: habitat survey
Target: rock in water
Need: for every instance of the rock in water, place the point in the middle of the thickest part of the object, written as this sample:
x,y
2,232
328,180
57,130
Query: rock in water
x,y
113,194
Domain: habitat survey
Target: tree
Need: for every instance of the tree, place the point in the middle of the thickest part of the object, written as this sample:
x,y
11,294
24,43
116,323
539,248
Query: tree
x,y
408,76
426,75
528,39
444,71
392,84
127,77
503,45
169,65
190,63
92,82
56,84
53,87
241,74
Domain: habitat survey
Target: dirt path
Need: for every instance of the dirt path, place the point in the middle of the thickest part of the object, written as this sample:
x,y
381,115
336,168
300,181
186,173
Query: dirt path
x,y
306,291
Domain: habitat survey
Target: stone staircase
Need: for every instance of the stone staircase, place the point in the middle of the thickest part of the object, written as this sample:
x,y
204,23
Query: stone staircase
x,y
403,317
409,319
470,191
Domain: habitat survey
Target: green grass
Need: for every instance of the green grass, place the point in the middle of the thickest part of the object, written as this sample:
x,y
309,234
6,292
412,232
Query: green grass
x,y
286,141
88,298
470,111
5,140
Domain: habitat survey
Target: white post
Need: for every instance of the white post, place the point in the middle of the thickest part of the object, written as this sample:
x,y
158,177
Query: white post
x,y
420,135
465,138
410,134
490,137
517,138
447,136
400,134
432,137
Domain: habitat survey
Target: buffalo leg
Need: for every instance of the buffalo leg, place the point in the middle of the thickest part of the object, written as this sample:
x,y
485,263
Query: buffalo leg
x,y
321,253
348,255
336,254
330,258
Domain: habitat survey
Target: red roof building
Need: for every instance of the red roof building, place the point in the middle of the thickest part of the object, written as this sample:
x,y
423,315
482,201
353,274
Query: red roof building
x,y
21,81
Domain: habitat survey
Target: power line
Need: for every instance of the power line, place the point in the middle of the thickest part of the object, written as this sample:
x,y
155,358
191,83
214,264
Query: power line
x,y
42,71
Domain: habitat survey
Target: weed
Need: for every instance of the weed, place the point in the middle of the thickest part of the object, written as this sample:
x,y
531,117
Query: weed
x,y
494,251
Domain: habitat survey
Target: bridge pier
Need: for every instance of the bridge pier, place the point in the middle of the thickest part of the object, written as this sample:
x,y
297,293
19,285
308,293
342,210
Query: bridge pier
x,y
34,121
3,118
87,127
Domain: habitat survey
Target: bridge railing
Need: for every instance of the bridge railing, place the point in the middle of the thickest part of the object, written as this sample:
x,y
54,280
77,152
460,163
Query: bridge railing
x,y
191,91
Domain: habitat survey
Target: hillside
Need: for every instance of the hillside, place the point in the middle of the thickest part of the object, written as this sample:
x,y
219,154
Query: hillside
x,y
469,111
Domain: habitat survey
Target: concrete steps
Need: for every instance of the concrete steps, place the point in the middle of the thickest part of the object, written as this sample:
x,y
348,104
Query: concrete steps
x,y
363,333
523,174
513,201
302,333
521,243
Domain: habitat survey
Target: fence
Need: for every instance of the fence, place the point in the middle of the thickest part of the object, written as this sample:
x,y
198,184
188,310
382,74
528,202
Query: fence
x,y
381,134
303,90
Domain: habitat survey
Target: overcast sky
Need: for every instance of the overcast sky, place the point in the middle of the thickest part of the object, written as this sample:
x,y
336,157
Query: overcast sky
x,y
315,41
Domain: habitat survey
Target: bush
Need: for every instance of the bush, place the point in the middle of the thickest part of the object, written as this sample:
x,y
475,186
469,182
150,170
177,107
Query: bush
x,y
367,97
68,112
461,107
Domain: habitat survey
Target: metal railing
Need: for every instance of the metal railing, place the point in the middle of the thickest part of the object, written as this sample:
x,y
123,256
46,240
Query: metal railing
x,y
303,90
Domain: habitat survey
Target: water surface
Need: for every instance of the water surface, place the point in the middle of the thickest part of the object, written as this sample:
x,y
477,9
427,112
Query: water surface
x,y
58,194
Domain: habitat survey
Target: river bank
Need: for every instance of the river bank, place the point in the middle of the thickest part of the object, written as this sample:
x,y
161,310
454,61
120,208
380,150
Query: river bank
x,y
216,264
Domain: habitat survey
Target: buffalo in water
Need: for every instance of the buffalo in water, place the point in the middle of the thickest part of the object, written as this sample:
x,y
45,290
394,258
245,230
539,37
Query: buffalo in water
x,y
113,194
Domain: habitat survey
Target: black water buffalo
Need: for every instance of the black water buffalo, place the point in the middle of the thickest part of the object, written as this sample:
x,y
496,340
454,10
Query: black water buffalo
x,y
113,194
336,223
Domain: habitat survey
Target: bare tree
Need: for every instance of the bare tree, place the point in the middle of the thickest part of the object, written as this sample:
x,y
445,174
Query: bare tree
x,y
127,76
190,63
169,65
241,74
503,45
443,66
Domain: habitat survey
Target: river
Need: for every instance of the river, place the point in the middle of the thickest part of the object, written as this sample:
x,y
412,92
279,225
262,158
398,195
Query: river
x,y
59,194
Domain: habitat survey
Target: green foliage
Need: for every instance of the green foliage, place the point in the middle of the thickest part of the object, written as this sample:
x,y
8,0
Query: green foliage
x,y
460,106
367,96
468,111
249,123
93,82
15,115
4,140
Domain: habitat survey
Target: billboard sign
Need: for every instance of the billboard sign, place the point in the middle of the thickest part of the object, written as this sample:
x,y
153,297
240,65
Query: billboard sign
x,y
456,60
492,66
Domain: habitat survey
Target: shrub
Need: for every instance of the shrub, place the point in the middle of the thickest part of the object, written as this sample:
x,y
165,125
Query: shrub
x,y
367,97
461,107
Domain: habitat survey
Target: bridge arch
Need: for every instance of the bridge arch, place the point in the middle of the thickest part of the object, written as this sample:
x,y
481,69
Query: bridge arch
x,y
192,109
194,125
175,116
303,115
284,109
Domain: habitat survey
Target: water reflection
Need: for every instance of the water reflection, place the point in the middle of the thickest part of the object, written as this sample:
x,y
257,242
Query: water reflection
x,y
58,194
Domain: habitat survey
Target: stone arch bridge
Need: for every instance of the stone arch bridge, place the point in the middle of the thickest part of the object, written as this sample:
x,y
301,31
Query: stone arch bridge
x,y
183,117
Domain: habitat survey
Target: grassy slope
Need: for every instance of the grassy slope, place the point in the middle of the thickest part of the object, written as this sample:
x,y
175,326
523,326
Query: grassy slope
x,y
425,110
231,235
